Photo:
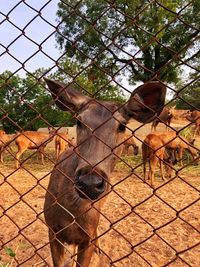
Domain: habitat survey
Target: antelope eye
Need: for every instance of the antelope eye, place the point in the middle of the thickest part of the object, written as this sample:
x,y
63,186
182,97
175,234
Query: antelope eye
x,y
122,127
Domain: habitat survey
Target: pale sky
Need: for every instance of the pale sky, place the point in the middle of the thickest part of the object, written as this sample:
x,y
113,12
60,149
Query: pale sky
x,y
22,49
17,49
38,30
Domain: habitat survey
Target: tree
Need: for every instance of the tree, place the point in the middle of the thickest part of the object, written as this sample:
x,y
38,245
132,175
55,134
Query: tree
x,y
25,104
91,81
141,39
189,96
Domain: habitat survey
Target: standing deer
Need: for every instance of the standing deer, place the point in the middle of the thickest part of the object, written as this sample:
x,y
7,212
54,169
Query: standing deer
x,y
165,117
80,179
194,117
154,152
32,140
178,144
5,142
61,143
129,142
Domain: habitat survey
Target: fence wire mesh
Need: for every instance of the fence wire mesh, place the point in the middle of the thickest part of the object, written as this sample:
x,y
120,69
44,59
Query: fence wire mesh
x,y
106,50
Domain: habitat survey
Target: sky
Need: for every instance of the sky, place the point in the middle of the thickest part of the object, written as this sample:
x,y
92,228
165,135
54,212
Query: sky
x,y
15,47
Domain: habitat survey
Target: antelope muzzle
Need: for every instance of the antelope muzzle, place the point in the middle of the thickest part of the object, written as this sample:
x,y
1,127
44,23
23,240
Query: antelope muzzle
x,y
90,183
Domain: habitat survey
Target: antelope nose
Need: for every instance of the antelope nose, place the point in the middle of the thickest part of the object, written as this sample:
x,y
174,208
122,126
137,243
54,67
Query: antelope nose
x,y
90,184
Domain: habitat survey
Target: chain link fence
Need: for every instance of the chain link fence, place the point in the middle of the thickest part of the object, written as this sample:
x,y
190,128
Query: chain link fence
x,y
105,46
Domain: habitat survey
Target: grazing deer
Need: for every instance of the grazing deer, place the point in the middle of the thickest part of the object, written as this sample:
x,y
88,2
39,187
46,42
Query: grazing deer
x,y
194,117
154,152
165,117
5,142
178,144
80,179
61,143
130,142
32,140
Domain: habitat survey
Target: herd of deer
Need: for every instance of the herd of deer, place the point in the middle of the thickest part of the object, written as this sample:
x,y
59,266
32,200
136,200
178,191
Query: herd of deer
x,y
80,179
158,147
168,147
39,140
33,140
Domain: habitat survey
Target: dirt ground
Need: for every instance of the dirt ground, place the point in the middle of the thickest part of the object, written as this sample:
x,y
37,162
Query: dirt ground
x,y
139,226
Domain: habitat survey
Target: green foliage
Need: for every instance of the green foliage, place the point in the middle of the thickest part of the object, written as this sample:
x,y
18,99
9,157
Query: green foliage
x,y
10,252
24,104
11,255
187,133
189,97
145,37
91,81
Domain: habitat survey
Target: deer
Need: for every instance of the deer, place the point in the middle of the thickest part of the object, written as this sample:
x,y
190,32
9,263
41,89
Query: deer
x,y
2,132
178,143
5,142
194,117
165,117
61,143
128,142
32,140
80,180
154,152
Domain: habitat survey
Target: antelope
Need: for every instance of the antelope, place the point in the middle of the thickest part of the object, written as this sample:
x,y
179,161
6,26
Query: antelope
x,y
153,152
61,143
165,117
2,132
178,144
32,140
80,181
5,141
128,142
194,117
72,142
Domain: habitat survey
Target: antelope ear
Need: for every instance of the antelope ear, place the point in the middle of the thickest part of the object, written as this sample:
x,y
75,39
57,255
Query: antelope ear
x,y
146,102
66,97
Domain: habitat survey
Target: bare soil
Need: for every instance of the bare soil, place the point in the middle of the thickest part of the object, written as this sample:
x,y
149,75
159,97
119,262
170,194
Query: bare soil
x,y
139,226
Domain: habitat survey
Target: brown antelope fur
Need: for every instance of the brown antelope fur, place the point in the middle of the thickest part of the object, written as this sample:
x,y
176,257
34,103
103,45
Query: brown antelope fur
x,y
5,142
194,116
2,144
72,142
2,132
178,144
154,152
80,178
165,117
61,143
32,140
129,142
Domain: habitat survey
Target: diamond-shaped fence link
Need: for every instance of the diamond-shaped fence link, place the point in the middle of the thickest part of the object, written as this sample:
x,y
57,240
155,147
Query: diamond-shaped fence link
x,y
98,167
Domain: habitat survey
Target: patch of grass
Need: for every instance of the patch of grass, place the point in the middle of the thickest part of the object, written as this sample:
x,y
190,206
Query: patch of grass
x,y
31,159
135,163
192,170
187,133
128,162
10,254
